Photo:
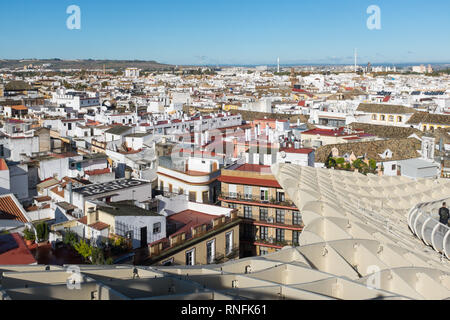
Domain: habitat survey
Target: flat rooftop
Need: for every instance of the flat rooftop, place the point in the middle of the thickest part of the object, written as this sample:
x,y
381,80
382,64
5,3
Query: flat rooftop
x,y
97,189
126,208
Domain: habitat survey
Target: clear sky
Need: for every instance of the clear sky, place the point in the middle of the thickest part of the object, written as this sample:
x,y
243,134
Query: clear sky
x,y
227,31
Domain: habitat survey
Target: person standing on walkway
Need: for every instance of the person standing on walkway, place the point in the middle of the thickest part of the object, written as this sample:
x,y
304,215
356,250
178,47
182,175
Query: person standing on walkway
x,y
444,214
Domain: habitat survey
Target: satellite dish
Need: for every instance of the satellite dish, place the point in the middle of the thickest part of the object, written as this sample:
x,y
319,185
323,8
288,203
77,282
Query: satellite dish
x,y
283,154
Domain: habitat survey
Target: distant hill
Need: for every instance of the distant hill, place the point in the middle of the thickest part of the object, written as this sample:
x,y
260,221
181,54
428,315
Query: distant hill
x,y
57,64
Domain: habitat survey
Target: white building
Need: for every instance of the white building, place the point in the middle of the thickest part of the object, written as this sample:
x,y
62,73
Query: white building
x,y
132,72
75,100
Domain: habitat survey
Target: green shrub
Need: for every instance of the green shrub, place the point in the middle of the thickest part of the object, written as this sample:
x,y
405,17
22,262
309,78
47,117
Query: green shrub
x,y
29,234
84,249
42,231
331,163
98,257
70,238
358,163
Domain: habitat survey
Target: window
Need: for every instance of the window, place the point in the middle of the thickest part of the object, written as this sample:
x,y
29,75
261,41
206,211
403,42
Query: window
x,y
248,212
232,190
248,192
374,117
263,251
157,228
296,218
295,237
232,205
192,196
280,235
180,191
205,197
280,216
263,233
228,242
391,118
399,119
210,251
190,257
394,167
264,194
263,214
168,262
280,196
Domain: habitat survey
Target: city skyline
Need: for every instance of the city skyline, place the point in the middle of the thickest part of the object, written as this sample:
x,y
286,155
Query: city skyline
x,y
227,33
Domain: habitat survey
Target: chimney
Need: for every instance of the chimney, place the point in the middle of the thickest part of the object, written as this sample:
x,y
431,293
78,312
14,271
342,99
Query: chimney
x,y
70,188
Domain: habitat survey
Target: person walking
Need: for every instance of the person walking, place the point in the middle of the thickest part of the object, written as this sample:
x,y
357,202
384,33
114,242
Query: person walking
x,y
444,214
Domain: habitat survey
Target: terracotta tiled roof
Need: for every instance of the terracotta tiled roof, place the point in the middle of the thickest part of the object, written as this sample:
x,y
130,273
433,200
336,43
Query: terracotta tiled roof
x,y
97,172
13,250
3,165
385,131
250,181
42,199
10,210
83,220
19,108
293,150
384,108
425,117
402,149
99,226
188,219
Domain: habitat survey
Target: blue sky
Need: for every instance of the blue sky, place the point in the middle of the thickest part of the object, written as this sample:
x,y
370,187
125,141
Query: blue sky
x,y
227,31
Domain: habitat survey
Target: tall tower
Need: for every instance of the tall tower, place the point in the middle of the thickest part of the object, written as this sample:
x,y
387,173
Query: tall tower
x,y
356,58
278,63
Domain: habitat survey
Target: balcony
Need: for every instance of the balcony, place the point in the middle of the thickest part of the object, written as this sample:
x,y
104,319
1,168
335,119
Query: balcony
x,y
273,242
254,199
221,258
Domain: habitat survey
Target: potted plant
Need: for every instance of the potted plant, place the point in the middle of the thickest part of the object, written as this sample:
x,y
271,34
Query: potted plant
x,y
29,236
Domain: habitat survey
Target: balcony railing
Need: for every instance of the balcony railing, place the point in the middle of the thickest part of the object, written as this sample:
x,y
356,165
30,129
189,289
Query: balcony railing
x,y
220,258
276,242
251,198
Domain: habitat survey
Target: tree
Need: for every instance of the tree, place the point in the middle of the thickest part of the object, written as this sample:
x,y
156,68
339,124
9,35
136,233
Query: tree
x,y
70,238
84,249
42,231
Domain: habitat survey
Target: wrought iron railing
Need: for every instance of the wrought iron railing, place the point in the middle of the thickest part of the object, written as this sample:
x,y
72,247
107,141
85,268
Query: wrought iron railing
x,y
251,198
